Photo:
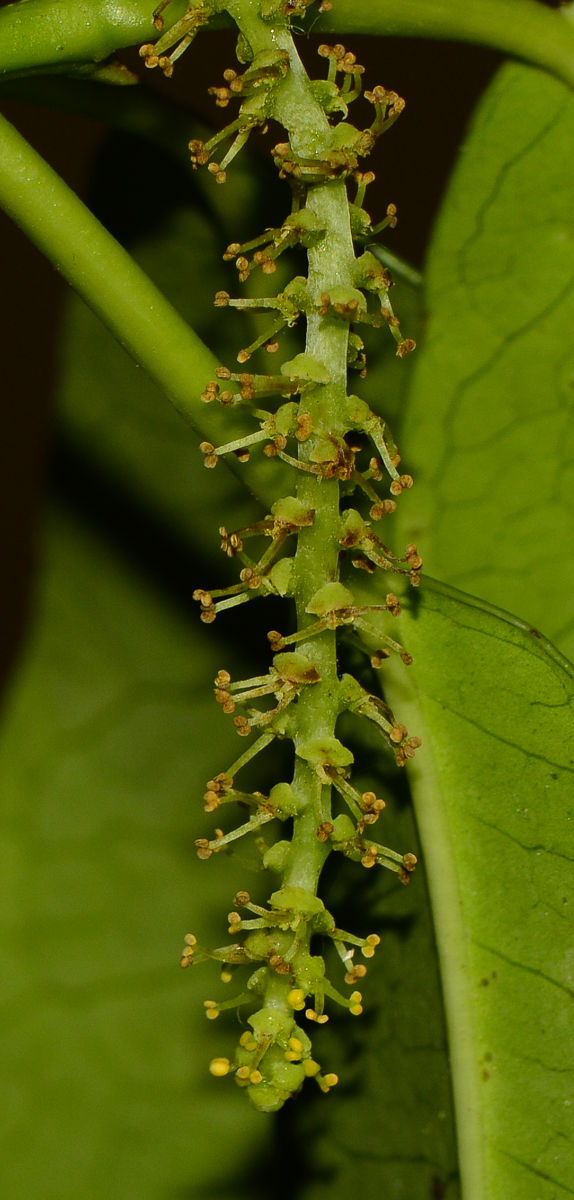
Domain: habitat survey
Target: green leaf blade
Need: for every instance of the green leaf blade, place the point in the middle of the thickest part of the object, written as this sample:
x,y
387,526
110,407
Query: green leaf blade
x,y
494,794
489,418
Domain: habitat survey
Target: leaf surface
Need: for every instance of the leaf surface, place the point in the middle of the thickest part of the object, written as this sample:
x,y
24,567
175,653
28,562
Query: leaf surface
x,y
107,741
488,426
494,795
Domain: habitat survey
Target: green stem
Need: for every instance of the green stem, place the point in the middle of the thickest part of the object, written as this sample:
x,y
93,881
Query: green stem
x,y
118,292
317,558
43,33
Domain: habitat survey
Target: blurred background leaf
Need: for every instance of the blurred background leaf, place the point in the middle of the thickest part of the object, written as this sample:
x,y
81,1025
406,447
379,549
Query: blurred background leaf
x,y
107,741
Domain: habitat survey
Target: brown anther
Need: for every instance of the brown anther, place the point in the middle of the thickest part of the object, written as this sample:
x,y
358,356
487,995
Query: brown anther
x,y
254,583
203,850
246,574
223,372
406,481
378,659
243,356
415,742
404,876
208,616
280,441
275,639
146,50
272,347
325,6
242,898
396,734
396,488
324,831
368,861
406,347
225,399
275,960
393,605
415,561
270,451
242,263
242,726
222,96
282,149
211,392
269,266
407,658
234,918
376,467
221,299
232,251
304,427
242,455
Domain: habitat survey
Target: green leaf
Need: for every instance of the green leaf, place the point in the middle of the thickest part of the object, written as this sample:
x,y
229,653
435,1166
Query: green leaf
x,y
108,739
489,427
492,783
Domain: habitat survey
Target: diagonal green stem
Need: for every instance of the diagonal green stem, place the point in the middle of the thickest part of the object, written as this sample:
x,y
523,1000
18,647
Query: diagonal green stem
x,y
118,292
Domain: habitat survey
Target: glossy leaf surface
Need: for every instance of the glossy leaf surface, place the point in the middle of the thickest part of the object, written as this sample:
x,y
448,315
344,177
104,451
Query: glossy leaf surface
x,y
489,424
494,797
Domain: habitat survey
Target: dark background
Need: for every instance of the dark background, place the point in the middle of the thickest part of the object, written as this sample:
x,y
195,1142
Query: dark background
x,y
440,82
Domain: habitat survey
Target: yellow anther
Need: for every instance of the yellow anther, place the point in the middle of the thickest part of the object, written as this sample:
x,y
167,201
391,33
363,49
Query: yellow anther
x,y
210,1003
373,939
255,1077
368,951
293,1056
311,1067
296,998
245,1038
331,1080
220,1066
226,976
356,1009
244,1072
356,997
295,1044
310,1014
190,940
212,1013
322,1020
